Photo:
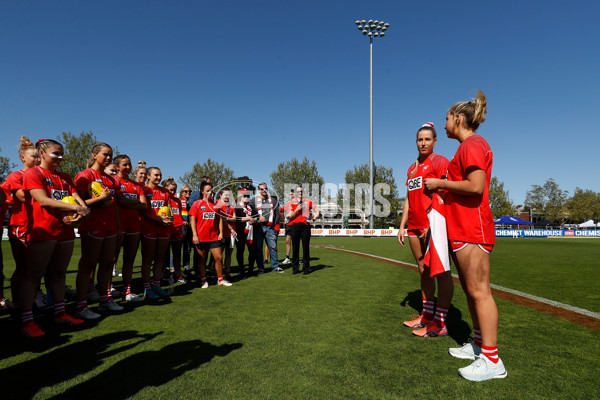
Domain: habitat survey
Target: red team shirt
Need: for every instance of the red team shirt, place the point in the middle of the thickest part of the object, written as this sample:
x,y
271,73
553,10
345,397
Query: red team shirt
x,y
419,198
207,220
102,218
157,198
129,217
176,209
301,218
18,212
46,223
226,211
469,218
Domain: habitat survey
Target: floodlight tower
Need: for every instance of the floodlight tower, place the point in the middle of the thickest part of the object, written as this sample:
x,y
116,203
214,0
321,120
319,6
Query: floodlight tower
x,y
371,29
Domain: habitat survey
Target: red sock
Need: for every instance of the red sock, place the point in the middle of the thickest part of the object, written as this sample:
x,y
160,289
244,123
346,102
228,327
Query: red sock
x,y
26,316
203,279
91,287
427,309
81,305
146,285
491,352
109,293
477,336
127,290
220,278
440,316
157,283
103,299
59,308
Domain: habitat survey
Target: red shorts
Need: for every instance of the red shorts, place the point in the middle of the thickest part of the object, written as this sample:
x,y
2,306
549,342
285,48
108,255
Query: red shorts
x,y
457,246
100,233
131,226
17,233
156,235
418,233
176,233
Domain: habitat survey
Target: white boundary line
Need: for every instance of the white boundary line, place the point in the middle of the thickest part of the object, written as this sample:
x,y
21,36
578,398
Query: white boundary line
x,y
497,287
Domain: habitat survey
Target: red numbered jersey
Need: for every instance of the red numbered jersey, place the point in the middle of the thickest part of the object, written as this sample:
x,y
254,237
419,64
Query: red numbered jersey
x,y
300,218
157,198
18,213
45,223
176,209
129,217
419,198
207,220
469,218
102,216
226,211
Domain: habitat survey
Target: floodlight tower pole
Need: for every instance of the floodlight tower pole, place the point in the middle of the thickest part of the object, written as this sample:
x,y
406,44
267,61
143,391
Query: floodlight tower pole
x,y
372,29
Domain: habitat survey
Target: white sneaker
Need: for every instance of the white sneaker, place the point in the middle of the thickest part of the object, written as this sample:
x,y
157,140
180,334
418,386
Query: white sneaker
x,y
133,297
286,261
224,283
87,314
40,299
204,285
469,351
93,296
116,272
110,306
483,369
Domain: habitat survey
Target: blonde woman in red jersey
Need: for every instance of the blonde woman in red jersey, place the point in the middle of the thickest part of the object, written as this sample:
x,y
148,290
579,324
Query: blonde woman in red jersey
x,y
227,213
17,227
155,234
99,233
49,241
471,233
418,201
207,232
129,217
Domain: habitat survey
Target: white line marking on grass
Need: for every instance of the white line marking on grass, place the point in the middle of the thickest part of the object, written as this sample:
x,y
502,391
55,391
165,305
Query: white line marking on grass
x,y
497,287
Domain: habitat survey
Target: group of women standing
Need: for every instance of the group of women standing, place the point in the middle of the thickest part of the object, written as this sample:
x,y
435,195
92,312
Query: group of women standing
x,y
462,185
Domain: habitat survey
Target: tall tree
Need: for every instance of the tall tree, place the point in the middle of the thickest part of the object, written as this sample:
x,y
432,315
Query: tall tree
x,y
218,172
357,194
583,206
5,167
499,199
77,151
294,172
548,201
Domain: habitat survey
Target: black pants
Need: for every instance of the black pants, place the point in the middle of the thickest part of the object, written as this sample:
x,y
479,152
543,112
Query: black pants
x,y
188,246
240,246
301,232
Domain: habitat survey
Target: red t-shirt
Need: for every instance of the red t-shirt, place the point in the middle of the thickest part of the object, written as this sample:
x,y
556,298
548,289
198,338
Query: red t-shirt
x,y
176,209
207,220
469,218
300,218
102,217
45,223
157,198
419,198
129,217
226,211
18,213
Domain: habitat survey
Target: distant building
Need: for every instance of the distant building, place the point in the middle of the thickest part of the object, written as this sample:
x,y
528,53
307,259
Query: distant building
x,y
331,216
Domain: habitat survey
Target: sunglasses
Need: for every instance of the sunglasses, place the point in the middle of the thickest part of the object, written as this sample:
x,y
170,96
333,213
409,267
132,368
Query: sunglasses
x,y
262,188
246,195
185,191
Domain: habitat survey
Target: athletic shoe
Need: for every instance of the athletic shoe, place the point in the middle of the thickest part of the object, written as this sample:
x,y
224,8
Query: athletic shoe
x,y
69,291
160,292
115,293
224,283
204,285
417,323
87,314
483,369
181,280
278,269
110,306
261,270
116,272
5,303
93,296
286,261
66,319
149,294
40,299
431,330
469,351
31,330
133,297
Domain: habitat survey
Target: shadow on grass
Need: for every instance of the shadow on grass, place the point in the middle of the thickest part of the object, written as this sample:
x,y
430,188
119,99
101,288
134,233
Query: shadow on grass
x,y
151,368
458,329
67,362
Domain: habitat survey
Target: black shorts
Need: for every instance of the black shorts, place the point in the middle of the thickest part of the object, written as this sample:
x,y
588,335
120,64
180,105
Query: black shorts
x,y
288,230
208,245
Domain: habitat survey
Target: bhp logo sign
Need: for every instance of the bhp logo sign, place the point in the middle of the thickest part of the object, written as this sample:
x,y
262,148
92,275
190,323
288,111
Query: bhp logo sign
x,y
335,231
317,231
369,231
569,233
351,231
386,232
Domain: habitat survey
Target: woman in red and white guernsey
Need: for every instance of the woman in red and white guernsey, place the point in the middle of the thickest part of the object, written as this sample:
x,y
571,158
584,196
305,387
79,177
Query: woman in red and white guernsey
x,y
99,233
17,226
471,233
176,232
129,217
207,232
227,213
155,233
414,218
49,241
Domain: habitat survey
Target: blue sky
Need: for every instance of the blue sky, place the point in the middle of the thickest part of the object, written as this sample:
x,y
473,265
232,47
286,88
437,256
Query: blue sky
x,y
253,83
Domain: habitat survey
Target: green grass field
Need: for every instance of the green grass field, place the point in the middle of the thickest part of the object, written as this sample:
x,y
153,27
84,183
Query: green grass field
x,y
336,333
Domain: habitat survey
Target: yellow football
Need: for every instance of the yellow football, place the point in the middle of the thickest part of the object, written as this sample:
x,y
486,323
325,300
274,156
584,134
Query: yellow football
x,y
69,216
164,211
95,189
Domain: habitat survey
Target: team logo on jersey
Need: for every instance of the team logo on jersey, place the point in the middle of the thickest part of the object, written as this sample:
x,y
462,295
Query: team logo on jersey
x,y
58,194
130,196
203,208
208,215
49,182
415,183
157,203
175,211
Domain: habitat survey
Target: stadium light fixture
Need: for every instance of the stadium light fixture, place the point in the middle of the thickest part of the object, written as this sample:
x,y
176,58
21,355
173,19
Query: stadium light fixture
x,y
371,29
